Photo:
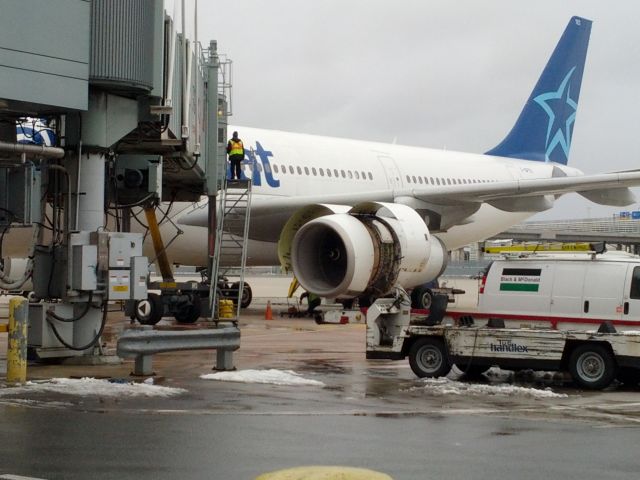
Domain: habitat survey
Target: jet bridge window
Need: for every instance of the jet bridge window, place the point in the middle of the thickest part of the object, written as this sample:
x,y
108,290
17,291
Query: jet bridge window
x,y
635,284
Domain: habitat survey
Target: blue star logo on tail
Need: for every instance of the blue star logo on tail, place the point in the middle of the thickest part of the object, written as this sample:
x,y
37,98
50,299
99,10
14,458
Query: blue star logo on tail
x,y
561,110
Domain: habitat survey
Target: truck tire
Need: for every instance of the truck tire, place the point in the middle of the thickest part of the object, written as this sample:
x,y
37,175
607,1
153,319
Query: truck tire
x,y
150,310
592,366
421,297
428,357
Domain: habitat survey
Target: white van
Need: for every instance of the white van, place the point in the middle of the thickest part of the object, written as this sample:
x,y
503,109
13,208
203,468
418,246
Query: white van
x,y
563,291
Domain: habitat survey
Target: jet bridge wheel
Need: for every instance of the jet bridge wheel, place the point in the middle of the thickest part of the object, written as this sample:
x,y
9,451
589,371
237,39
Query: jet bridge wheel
x,y
592,366
149,311
428,357
189,311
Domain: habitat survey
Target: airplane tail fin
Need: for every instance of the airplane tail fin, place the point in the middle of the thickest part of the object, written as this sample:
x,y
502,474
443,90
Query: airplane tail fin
x,y
544,129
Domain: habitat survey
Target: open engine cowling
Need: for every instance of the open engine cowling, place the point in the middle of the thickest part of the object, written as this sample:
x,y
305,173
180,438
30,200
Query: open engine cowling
x,y
366,250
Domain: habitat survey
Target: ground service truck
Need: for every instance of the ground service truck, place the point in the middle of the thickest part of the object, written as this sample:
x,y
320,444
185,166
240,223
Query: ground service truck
x,y
574,313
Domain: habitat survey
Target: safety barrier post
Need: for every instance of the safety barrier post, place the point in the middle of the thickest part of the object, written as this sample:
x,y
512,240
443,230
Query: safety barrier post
x,y
17,349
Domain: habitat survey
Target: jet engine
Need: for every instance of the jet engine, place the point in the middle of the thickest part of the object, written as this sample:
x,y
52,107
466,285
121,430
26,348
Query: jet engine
x,y
365,250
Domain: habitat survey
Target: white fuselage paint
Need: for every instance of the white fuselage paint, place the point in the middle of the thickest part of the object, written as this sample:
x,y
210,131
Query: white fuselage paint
x,y
294,166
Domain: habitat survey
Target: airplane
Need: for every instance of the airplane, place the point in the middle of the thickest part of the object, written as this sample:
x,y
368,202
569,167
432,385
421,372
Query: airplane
x,y
355,218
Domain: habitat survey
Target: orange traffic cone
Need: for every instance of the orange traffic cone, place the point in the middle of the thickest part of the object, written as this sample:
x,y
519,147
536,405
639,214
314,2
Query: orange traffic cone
x,y
268,314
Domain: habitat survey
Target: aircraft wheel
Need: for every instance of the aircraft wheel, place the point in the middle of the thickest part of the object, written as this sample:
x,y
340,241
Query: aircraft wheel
x,y
247,294
150,310
428,357
421,297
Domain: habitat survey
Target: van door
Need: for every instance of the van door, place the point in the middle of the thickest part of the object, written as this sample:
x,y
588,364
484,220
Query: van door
x,y
568,287
602,286
631,298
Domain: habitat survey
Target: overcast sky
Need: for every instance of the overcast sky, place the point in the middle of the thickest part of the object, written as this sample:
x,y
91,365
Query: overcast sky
x,y
440,74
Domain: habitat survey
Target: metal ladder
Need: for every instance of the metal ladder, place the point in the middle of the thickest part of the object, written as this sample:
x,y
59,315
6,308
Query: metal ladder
x,y
231,242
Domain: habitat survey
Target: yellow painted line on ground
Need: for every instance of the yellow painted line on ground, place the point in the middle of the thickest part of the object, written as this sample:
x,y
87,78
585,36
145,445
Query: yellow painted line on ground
x,y
324,473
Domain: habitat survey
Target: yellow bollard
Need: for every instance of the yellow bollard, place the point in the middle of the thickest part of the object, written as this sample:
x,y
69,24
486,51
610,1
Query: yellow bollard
x,y
225,308
17,350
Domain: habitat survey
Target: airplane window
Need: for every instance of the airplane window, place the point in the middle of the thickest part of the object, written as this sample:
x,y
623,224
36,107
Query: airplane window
x,y
275,168
291,171
431,180
420,180
335,172
321,172
350,174
299,170
408,179
437,181
370,176
342,172
306,170
357,175
313,170
267,168
364,175
328,172
258,167
284,168
414,179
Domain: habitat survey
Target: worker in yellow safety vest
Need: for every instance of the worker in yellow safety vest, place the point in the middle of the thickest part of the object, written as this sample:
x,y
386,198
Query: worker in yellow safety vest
x,y
235,150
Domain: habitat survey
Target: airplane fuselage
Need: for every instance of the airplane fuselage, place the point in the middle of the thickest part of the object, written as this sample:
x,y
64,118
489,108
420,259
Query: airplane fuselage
x,y
290,170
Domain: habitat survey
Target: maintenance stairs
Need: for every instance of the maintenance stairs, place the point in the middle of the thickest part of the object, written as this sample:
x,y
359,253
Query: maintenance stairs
x,y
230,252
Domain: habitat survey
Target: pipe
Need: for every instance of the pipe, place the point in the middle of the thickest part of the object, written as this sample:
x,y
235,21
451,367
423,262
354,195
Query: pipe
x,y
37,150
158,245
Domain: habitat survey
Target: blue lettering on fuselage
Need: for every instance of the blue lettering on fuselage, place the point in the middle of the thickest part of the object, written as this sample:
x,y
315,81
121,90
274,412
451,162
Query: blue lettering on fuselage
x,y
251,158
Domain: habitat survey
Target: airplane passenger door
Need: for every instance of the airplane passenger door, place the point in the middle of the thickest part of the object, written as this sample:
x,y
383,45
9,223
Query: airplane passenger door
x,y
391,171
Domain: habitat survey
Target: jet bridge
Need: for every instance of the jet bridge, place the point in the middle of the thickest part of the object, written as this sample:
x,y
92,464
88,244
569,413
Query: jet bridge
x,y
105,108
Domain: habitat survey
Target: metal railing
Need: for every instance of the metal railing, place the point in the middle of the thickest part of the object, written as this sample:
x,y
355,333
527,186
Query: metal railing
x,y
586,225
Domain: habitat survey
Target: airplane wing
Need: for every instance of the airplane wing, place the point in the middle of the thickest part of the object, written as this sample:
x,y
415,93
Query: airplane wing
x,y
605,188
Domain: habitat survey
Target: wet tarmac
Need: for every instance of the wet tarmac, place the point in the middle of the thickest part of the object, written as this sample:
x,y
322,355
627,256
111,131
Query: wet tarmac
x,y
372,414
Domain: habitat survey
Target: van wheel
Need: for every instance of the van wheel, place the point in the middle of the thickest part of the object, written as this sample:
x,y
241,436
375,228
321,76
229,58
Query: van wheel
x,y
428,357
592,366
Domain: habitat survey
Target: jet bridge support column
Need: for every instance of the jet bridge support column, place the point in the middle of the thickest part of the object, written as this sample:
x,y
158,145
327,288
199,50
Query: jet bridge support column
x,y
91,218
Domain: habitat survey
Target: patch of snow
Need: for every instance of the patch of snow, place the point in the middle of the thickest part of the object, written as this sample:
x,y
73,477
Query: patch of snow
x,y
445,386
272,376
92,387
